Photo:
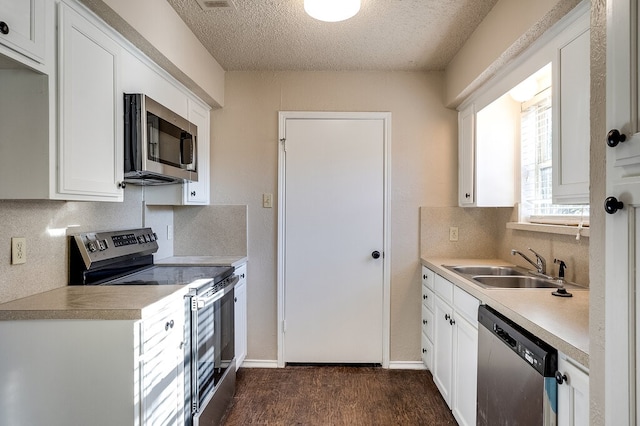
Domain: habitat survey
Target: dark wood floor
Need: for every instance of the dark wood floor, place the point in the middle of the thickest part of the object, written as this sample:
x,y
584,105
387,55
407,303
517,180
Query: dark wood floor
x,y
329,395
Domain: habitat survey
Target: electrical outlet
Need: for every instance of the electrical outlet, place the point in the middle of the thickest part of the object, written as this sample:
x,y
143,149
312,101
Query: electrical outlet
x,y
18,251
169,232
453,233
267,201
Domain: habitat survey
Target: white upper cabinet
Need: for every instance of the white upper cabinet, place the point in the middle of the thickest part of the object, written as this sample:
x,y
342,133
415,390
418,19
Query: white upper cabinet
x,y
22,27
487,140
140,75
90,109
571,124
466,156
623,96
489,122
198,192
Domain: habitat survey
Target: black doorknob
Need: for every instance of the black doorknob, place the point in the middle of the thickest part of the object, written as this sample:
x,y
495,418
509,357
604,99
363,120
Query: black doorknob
x,y
560,378
375,254
612,205
614,137
4,28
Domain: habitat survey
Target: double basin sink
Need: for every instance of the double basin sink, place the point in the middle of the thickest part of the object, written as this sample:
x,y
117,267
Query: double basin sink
x,y
506,277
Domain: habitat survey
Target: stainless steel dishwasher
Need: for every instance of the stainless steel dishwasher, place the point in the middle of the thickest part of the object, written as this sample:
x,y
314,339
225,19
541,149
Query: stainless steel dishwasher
x,y
516,374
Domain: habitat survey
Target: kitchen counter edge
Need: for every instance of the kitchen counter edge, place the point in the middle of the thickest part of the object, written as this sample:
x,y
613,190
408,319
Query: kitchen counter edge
x,y
234,261
575,346
91,303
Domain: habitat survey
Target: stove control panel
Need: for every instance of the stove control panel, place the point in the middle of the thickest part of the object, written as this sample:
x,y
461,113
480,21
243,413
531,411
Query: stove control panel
x,y
110,245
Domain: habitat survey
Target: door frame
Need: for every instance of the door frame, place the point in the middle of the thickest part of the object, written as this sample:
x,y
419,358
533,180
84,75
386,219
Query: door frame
x,y
283,116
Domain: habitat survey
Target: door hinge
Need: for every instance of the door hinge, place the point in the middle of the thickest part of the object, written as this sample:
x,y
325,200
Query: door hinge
x,y
284,143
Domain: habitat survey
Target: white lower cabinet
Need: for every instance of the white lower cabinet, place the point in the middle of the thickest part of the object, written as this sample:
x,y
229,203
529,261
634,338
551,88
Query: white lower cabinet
x,y
94,372
428,299
573,393
240,316
455,363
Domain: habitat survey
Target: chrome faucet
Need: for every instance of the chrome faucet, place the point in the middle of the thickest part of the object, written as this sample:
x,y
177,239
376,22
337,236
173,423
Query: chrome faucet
x,y
540,264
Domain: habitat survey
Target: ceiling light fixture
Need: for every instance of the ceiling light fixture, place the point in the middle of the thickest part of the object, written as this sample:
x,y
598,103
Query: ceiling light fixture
x,y
331,10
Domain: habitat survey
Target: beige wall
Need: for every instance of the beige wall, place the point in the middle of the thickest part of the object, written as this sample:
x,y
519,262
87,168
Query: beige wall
x,y
423,163
168,41
510,27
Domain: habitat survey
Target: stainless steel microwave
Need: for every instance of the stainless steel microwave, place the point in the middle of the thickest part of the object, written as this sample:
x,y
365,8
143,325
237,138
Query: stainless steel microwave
x,y
160,146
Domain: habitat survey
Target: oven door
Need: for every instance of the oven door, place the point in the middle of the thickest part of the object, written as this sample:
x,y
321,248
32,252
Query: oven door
x,y
212,355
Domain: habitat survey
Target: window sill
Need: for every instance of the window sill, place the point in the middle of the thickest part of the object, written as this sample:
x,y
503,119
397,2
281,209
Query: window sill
x,y
549,229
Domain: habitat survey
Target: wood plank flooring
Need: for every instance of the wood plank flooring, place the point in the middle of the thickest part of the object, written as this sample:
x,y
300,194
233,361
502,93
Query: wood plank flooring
x,y
336,395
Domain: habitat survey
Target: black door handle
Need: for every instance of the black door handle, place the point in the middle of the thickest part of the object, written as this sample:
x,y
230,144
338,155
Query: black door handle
x,y
375,254
612,205
614,137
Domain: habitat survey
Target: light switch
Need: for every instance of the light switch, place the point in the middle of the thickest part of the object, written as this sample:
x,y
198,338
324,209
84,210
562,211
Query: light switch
x,y
267,201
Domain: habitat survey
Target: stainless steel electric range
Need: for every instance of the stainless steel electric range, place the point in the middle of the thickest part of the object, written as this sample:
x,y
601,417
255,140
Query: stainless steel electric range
x,y
126,258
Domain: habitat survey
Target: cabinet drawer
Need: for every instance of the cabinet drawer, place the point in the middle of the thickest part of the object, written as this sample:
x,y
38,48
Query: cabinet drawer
x,y
444,289
428,276
427,297
466,305
427,322
427,352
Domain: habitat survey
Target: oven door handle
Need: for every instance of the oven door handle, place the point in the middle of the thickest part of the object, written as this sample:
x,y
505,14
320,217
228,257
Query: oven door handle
x,y
200,302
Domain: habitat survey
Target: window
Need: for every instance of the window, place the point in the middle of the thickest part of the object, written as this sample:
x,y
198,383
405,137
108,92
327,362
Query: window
x,y
536,169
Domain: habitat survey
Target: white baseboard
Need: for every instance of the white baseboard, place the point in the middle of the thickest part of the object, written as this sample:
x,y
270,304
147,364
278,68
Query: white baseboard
x,y
406,365
259,363
393,365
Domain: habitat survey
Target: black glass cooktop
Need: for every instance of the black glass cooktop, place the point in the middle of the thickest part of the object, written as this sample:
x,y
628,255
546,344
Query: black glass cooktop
x,y
173,275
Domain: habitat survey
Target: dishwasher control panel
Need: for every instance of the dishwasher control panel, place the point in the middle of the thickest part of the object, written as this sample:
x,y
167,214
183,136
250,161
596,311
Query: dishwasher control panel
x,y
531,349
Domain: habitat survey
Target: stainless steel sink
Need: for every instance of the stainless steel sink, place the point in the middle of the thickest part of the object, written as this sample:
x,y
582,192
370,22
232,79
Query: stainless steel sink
x,y
515,281
505,277
487,270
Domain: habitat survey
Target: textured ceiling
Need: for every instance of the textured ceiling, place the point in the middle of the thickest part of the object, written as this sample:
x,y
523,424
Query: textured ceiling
x,y
386,34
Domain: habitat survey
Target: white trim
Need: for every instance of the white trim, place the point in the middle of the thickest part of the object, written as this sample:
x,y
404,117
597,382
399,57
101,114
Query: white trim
x,y
259,363
406,365
386,298
549,229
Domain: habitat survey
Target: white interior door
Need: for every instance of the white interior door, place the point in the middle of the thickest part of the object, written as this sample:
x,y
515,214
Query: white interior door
x,y
333,217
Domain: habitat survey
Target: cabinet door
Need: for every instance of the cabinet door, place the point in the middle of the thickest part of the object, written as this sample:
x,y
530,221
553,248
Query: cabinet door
x,y
465,372
443,349
90,110
622,228
571,136
198,192
573,394
162,367
427,352
240,316
24,27
466,156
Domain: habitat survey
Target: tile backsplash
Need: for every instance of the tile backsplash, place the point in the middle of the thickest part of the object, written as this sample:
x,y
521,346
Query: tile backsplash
x,y
208,230
45,225
482,233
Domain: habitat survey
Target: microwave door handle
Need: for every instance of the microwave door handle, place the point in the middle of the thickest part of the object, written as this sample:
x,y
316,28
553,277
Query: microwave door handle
x,y
186,148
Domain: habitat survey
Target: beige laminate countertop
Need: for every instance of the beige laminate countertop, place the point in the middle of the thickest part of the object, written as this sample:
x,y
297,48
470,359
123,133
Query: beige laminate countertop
x,y
562,322
234,261
106,302
90,302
